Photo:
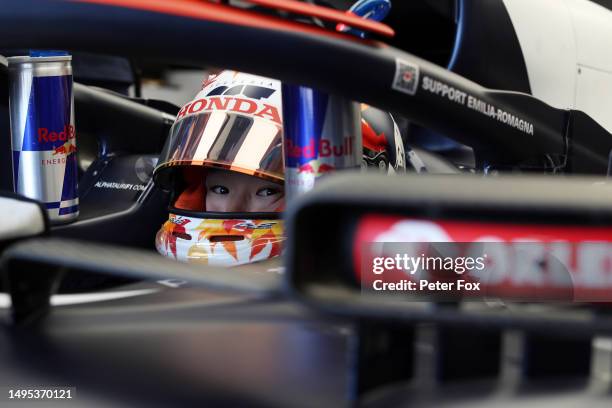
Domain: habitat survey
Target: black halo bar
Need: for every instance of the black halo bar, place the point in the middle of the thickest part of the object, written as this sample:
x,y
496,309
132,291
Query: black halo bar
x,y
504,127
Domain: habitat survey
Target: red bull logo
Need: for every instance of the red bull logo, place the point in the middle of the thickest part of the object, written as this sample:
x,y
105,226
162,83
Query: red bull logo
x,y
65,149
45,136
326,168
325,149
315,168
306,168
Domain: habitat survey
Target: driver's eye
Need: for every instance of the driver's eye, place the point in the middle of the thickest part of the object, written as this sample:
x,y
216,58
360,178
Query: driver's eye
x,y
219,189
267,191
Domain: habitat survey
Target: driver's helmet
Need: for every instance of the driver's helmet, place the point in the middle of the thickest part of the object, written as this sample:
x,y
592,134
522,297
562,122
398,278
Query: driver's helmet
x,y
235,124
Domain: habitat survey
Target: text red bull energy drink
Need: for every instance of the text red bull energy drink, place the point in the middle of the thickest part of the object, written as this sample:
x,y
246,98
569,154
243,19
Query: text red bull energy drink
x,y
43,136
322,134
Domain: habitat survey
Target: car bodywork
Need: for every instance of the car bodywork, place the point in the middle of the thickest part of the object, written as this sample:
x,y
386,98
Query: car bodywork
x,y
246,336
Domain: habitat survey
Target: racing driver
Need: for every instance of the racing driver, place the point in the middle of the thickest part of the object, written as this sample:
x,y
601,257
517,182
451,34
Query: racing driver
x,y
223,163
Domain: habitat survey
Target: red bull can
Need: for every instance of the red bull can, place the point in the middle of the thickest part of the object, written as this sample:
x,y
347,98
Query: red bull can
x,y
322,134
43,136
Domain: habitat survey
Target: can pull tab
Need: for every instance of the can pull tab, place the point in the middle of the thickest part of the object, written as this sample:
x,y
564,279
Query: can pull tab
x,y
375,10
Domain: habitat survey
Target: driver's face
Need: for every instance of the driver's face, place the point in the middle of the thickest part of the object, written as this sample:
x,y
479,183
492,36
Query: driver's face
x,y
228,191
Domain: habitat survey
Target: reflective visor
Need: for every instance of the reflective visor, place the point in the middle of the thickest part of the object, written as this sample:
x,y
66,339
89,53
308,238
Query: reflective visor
x,y
225,140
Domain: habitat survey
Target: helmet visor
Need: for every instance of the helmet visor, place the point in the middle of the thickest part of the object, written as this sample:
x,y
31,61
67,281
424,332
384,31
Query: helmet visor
x,y
226,140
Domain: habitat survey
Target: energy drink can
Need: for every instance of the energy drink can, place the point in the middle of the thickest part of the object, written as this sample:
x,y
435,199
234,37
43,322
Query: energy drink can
x,y
322,134
43,136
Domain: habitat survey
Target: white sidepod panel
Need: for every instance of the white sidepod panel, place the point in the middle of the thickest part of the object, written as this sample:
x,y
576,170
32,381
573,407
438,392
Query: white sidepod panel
x,y
567,46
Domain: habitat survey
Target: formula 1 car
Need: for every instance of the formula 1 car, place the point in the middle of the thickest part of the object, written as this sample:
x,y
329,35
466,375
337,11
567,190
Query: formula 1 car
x,y
483,89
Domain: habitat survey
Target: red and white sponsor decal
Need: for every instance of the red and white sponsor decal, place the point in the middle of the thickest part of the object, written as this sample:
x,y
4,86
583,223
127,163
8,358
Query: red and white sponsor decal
x,y
527,261
231,104
237,92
